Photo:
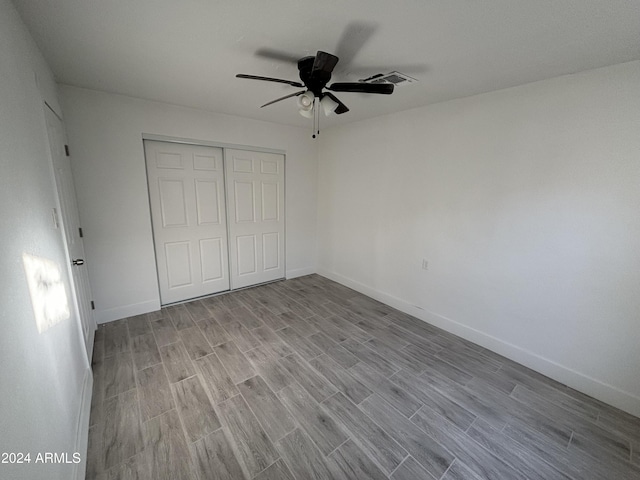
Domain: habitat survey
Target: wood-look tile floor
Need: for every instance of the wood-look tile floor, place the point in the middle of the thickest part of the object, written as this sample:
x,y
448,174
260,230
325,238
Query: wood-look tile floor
x,y
307,379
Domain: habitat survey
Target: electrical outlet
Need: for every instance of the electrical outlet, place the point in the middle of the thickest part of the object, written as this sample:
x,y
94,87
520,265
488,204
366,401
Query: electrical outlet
x,y
425,264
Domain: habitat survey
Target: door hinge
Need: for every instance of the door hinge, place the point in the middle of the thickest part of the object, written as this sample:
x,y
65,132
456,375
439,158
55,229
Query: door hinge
x,y
80,232
93,305
66,150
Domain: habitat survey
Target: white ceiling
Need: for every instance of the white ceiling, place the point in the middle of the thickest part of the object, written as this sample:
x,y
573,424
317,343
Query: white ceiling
x,y
187,52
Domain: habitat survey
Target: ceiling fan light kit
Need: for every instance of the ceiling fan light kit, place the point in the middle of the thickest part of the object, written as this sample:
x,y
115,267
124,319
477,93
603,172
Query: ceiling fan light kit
x,y
315,73
306,103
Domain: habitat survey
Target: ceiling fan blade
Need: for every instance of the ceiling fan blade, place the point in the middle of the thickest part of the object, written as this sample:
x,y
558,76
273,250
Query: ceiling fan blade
x,y
353,38
342,108
269,79
324,62
283,98
273,54
381,88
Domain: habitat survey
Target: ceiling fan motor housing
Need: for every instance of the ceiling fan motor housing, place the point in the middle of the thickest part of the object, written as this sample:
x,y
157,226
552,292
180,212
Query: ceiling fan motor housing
x,y
316,82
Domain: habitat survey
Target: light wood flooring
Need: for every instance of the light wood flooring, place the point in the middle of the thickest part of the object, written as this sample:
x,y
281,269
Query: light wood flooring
x,y
307,379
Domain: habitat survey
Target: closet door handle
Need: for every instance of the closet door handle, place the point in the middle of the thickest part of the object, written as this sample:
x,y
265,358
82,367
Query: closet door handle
x,y
78,261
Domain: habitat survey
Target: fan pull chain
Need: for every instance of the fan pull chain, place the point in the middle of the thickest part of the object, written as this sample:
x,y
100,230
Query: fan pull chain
x,y
315,113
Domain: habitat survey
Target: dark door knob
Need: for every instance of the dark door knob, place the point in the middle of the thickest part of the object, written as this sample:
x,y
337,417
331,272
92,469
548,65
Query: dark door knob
x,y
78,261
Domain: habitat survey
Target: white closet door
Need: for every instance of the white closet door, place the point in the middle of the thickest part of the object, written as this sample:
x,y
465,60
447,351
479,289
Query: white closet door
x,y
186,190
255,201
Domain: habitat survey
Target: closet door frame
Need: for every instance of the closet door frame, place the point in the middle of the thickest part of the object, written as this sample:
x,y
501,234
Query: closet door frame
x,y
224,146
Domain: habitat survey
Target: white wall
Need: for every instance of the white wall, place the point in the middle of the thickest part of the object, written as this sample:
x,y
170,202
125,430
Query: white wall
x,y
525,202
105,137
42,375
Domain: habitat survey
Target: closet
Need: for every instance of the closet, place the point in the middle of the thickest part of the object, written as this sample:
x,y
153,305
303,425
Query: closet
x,y
217,215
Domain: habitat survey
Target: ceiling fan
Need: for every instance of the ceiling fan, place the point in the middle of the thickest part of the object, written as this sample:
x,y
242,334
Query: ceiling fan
x,y
315,74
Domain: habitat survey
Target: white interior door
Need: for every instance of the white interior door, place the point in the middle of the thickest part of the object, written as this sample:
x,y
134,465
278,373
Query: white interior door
x,y
186,190
71,226
255,200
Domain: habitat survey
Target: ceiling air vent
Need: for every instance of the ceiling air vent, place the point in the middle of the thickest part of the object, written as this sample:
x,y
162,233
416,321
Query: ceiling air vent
x,y
395,78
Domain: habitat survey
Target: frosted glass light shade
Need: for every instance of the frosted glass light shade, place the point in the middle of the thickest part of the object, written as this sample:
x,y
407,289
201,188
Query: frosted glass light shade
x,y
306,100
328,105
306,113
305,104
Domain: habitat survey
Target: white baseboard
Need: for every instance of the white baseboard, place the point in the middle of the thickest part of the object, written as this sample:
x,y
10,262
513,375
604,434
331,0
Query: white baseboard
x,y
300,272
82,431
591,386
116,313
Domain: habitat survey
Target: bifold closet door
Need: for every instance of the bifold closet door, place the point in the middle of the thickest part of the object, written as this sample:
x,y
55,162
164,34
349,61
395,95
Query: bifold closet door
x,y
186,190
255,202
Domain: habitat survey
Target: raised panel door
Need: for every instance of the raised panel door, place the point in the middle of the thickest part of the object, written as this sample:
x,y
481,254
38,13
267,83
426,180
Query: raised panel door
x,y
255,200
186,192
